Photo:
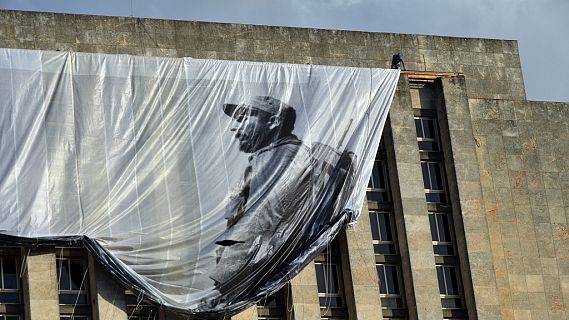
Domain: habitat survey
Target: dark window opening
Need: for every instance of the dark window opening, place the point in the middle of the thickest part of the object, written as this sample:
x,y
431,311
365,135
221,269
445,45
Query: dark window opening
x,y
137,308
72,281
272,307
382,231
449,287
73,285
440,223
433,182
427,137
11,307
10,288
329,282
389,286
377,190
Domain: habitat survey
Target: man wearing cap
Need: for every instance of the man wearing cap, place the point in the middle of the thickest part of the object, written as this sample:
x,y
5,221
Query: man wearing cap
x,y
265,212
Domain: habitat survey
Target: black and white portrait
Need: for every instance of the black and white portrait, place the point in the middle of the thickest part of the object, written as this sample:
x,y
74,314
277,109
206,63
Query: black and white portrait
x,y
207,184
272,209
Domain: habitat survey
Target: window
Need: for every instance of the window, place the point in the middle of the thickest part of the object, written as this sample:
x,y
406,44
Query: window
x,y
328,277
329,282
377,187
10,288
390,286
73,285
384,238
382,231
272,307
139,309
427,137
449,287
425,104
433,182
431,156
441,233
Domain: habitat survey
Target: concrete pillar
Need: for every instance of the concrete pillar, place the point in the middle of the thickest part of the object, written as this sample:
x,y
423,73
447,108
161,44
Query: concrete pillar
x,y
360,275
469,214
304,295
41,299
410,209
108,296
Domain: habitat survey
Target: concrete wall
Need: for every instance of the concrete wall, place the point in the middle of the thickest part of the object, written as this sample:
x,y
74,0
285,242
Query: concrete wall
x,y
522,151
471,229
492,67
41,298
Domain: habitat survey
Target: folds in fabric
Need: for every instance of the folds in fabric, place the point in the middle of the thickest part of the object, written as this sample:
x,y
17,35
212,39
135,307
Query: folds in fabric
x,y
204,184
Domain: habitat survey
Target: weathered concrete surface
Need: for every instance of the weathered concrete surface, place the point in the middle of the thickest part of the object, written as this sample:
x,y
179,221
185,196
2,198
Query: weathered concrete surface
x,y
110,301
472,236
522,151
248,314
304,295
492,67
41,299
359,262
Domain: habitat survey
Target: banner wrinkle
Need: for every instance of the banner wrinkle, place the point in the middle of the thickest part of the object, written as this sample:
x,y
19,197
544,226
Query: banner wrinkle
x,y
202,185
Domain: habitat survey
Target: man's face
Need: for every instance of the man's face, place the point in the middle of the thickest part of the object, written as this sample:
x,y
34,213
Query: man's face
x,y
252,130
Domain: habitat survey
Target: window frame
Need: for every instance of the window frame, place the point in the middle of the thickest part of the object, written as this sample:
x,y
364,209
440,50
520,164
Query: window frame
x,y
385,191
391,296
265,312
451,241
335,272
446,296
329,258
436,139
141,310
69,310
442,178
12,309
393,242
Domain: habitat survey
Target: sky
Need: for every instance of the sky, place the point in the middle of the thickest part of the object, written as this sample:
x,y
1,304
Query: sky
x,y
540,26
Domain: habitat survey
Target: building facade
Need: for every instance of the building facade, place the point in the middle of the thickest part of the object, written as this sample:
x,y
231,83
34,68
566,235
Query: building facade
x,y
467,209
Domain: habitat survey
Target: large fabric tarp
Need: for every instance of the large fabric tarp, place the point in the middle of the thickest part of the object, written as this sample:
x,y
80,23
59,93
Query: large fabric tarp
x,y
203,185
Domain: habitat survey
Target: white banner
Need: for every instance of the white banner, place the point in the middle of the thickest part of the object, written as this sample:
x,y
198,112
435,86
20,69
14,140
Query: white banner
x,y
210,182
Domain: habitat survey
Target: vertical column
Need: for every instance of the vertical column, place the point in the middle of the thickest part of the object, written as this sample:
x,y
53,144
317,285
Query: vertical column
x,y
408,180
40,285
109,302
481,292
359,258
304,295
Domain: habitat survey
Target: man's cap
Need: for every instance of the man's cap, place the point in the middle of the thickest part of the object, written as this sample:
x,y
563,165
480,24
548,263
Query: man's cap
x,y
267,104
